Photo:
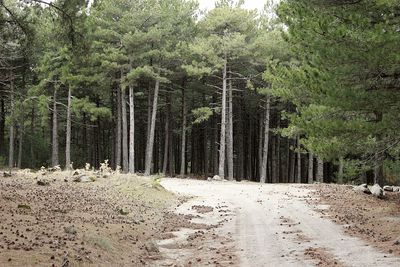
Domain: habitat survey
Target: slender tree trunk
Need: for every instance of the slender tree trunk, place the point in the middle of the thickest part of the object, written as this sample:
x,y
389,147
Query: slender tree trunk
x,y
298,175
310,168
378,170
260,144
11,145
131,131
183,139
68,134
2,125
221,165
379,157
32,132
54,154
171,147
320,170
150,143
292,165
149,107
20,137
119,127
230,133
340,171
166,137
263,177
125,164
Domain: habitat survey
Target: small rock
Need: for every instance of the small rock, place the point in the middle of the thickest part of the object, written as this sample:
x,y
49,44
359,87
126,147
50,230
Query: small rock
x,y
217,178
388,188
397,242
7,174
70,230
43,182
24,206
151,247
362,188
396,188
377,191
83,179
123,211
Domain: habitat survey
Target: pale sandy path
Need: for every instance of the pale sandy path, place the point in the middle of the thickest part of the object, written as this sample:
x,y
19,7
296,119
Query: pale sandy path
x,y
268,219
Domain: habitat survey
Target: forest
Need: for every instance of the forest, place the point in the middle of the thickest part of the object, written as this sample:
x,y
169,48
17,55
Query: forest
x,y
301,91
162,133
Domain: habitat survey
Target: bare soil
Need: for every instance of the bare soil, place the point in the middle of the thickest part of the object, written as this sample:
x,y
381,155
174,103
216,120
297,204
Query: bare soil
x,y
376,221
108,222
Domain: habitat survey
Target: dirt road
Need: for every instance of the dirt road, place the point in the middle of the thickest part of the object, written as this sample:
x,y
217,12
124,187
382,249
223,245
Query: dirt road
x,y
272,225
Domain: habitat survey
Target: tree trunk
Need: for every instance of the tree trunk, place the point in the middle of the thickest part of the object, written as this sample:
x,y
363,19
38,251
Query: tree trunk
x,y
379,157
340,171
298,175
68,134
260,143
20,137
183,138
150,143
221,165
11,144
378,170
320,170
119,134
125,167
2,125
166,140
54,143
263,177
310,168
131,131
230,133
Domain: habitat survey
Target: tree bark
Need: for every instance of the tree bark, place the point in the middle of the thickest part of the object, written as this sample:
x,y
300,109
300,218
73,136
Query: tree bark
x,y
68,134
20,137
11,144
340,171
263,177
230,133
54,143
2,125
310,168
150,143
183,138
131,131
119,134
378,170
125,167
166,139
320,170
221,165
298,175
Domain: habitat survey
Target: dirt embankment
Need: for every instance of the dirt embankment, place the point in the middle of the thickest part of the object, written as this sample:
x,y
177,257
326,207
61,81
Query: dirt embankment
x,y
112,221
375,220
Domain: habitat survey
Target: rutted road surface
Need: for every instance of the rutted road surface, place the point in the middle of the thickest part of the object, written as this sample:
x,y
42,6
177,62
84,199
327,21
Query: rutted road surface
x,y
272,225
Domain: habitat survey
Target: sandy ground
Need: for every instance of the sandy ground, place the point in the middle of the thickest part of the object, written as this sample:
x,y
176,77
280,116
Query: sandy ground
x,y
270,225
110,222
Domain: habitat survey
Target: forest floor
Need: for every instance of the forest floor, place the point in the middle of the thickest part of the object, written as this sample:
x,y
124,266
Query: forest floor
x,y
122,220
296,225
126,220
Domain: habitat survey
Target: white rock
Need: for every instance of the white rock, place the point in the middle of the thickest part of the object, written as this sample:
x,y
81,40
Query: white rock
x,y
377,191
388,188
396,188
217,178
362,188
